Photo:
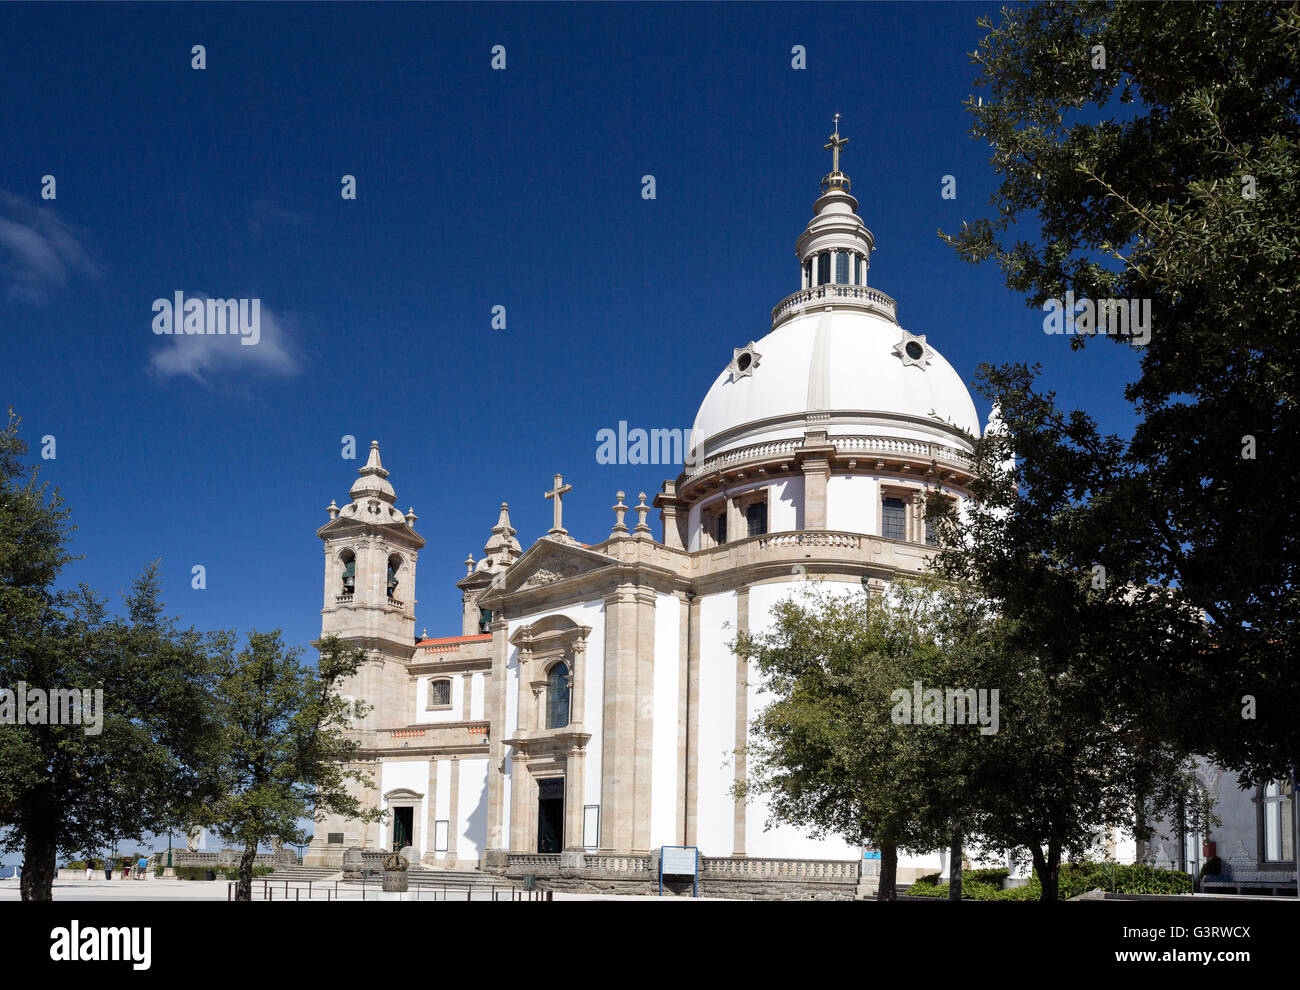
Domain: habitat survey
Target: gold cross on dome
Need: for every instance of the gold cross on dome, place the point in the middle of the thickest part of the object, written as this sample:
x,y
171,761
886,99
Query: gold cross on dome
x,y
836,143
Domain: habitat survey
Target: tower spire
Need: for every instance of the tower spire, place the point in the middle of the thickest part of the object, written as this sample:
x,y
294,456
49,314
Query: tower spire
x,y
835,179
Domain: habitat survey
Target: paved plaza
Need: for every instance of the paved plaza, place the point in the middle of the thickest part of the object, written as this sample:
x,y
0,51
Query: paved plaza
x,y
161,889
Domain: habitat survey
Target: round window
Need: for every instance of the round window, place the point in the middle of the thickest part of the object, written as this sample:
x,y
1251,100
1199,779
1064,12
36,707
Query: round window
x,y
744,361
914,350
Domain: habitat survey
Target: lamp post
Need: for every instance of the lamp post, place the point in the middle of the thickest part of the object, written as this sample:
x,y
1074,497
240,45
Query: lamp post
x,y
169,849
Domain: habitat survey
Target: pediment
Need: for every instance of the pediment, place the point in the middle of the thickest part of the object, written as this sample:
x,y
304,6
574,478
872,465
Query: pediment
x,y
548,562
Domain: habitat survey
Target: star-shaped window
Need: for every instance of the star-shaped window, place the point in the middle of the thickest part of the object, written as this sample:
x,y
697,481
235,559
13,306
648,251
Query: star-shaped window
x,y
914,350
743,361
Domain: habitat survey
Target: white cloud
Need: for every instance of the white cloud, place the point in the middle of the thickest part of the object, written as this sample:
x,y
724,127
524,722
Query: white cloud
x,y
38,251
204,357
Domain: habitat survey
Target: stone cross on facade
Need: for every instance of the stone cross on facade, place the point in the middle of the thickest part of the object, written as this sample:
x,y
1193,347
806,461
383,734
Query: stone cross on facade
x,y
557,493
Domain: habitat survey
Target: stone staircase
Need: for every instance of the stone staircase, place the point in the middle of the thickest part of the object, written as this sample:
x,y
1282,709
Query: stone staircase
x,y
316,874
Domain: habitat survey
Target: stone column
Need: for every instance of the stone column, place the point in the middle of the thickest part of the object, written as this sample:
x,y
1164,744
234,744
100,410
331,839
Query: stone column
x,y
816,467
495,711
453,815
618,737
521,793
692,761
735,521
642,765
574,776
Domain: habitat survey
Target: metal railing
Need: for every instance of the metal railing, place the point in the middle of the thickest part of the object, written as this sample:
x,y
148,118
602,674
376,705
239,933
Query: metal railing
x,y
424,889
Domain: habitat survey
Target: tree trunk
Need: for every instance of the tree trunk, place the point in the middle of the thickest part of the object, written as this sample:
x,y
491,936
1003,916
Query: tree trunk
x,y
40,863
1048,870
244,885
954,865
888,890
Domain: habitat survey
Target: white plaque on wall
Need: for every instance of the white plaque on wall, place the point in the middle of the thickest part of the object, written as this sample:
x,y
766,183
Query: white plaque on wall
x,y
591,826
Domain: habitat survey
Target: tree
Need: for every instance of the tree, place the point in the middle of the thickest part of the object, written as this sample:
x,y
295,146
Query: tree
x,y
1077,752
1155,149
285,745
827,749
118,762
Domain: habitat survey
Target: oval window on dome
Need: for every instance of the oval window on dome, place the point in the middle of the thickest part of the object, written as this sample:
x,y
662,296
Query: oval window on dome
x,y
914,350
744,361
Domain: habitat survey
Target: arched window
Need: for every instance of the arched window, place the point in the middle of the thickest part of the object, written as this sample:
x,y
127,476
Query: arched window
x,y
841,268
557,696
439,694
394,565
349,560
823,268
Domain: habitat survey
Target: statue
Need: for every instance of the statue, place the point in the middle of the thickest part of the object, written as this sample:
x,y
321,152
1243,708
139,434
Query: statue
x,y
192,837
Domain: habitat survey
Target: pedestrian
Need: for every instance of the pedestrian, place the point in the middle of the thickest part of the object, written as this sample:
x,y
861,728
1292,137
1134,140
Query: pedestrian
x,y
108,868
143,868
126,868
90,868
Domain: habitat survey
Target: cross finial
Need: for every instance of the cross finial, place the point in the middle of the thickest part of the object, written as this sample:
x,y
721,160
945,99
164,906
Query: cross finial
x,y
557,494
836,143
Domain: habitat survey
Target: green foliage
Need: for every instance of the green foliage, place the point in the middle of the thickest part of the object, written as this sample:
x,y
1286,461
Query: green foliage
x,y
63,789
1212,867
1075,879
285,744
1134,181
828,750
258,871
193,872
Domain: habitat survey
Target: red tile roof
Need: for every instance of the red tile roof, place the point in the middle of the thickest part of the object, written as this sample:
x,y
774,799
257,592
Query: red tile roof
x,y
454,639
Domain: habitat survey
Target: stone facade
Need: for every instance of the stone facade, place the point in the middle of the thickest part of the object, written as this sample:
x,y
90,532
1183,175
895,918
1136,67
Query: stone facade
x,y
591,709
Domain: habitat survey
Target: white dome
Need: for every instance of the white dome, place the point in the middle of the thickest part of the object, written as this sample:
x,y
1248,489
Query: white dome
x,y
844,370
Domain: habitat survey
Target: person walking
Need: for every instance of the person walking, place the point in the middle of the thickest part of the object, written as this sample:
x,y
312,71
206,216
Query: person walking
x,y
90,868
142,869
108,868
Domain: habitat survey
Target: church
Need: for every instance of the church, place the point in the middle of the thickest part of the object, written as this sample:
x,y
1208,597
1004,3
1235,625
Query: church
x,y
590,709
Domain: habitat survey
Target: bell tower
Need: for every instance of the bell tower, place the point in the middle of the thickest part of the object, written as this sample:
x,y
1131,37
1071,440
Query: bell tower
x,y
371,551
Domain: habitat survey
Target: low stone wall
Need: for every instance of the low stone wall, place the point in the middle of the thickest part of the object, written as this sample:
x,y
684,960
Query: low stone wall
x,y
732,877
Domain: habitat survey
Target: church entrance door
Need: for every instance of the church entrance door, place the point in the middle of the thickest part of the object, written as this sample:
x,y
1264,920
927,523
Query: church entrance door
x,y
403,827
550,815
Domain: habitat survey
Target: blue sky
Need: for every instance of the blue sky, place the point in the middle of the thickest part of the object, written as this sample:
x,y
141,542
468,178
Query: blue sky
x,y
475,188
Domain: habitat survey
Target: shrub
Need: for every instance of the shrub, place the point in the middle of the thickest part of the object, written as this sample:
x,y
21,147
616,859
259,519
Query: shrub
x,y
258,871
1212,867
1074,879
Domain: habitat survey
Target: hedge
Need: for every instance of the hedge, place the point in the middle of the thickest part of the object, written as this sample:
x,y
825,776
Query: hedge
x,y
1074,879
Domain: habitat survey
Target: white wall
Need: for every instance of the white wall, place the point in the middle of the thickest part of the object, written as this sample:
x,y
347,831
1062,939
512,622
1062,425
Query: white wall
x,y
664,793
851,503
477,684
785,505
782,841
413,775
471,809
442,803
452,714
715,808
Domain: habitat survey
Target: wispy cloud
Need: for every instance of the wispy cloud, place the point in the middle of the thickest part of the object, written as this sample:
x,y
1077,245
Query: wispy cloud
x,y
38,251
208,357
